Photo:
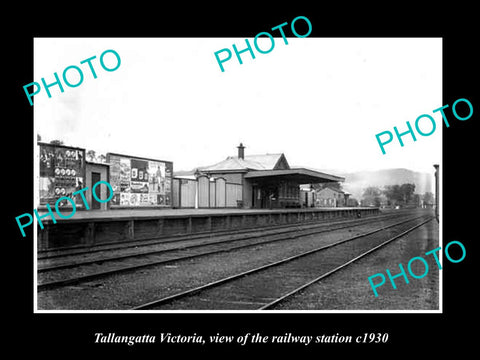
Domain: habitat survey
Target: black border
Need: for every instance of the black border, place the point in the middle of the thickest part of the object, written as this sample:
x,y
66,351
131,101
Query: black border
x,y
60,335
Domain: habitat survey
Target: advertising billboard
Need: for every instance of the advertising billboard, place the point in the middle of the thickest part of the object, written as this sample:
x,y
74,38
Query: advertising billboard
x,y
62,172
140,182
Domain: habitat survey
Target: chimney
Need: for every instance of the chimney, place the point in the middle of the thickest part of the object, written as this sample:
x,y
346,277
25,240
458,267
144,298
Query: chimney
x,y
241,151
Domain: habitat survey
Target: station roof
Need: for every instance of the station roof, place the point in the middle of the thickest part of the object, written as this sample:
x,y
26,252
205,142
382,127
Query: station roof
x,y
333,189
268,168
250,162
299,175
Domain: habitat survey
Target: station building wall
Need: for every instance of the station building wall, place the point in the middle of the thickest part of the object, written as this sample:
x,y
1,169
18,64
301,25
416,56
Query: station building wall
x,y
205,192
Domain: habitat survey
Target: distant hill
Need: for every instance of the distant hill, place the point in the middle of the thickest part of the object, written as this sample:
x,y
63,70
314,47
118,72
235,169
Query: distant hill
x,y
356,182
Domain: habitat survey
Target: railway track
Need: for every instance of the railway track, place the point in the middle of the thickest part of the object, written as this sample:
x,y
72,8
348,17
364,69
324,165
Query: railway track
x,y
59,256
114,245
59,275
104,254
163,246
266,286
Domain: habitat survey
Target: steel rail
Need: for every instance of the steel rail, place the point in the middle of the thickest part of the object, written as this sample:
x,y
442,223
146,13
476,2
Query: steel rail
x,y
323,276
84,278
213,284
188,237
259,234
96,275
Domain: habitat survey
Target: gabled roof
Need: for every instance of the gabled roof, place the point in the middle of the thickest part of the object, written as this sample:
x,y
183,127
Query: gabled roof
x,y
250,162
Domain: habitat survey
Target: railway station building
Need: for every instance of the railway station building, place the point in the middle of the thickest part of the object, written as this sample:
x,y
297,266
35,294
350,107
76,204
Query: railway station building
x,y
263,181
331,197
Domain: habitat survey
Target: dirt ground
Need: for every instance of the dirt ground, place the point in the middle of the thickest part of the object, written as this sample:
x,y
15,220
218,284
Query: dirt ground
x,y
350,289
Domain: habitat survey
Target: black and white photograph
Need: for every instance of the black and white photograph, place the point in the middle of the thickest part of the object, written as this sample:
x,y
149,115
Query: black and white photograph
x,y
256,187
268,182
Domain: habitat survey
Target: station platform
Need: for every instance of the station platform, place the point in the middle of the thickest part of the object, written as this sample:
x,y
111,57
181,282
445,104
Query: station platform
x,y
91,228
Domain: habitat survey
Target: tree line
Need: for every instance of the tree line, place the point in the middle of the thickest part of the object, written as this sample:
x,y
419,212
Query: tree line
x,y
395,195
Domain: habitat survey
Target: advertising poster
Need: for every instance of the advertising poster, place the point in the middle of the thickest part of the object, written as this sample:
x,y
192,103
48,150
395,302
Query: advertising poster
x,y
62,172
139,182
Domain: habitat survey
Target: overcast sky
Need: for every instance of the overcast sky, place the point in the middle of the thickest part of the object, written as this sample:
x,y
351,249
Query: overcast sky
x,y
320,101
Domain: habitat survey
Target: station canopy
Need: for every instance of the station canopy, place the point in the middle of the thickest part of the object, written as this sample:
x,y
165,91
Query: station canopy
x,y
298,175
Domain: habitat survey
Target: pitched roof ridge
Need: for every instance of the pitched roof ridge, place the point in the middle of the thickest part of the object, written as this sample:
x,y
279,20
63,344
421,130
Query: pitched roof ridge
x,y
268,154
248,163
